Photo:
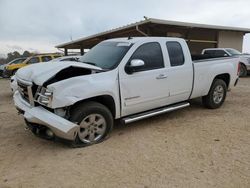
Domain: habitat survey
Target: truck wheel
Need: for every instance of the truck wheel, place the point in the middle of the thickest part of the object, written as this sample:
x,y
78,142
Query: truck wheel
x,y
243,70
95,123
216,95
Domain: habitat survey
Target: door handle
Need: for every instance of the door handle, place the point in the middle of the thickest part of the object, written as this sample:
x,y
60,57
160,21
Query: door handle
x,y
161,76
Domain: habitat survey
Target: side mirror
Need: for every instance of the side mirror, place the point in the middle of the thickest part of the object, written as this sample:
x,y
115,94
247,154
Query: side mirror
x,y
134,65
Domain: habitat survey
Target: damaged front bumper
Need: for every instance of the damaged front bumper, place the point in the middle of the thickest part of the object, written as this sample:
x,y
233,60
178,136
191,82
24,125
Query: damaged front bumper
x,y
61,127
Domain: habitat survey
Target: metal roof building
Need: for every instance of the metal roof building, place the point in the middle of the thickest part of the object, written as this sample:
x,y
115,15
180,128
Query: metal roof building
x,y
198,36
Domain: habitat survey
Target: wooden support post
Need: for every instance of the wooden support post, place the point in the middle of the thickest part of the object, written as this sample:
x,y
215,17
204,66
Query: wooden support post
x,y
65,51
82,51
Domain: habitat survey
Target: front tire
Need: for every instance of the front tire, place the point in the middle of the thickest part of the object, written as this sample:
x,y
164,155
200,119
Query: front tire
x,y
216,96
95,123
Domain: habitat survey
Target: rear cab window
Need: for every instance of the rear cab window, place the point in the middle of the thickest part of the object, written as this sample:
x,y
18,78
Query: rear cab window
x,y
175,52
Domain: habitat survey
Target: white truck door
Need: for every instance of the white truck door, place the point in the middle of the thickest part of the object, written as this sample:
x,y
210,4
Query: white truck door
x,y
146,87
180,72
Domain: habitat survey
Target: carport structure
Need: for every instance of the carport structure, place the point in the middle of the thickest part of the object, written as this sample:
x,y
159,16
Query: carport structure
x,y
198,36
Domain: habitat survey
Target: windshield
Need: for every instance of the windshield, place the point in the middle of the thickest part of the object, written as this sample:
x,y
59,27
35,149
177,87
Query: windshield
x,y
106,55
233,52
16,61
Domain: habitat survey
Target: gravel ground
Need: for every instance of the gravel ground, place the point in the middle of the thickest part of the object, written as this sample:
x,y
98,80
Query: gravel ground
x,y
192,147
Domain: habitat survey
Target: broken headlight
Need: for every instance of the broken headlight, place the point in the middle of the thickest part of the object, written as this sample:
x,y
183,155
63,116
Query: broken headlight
x,y
44,96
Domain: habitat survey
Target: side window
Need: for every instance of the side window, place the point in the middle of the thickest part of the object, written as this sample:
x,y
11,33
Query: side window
x,y
46,58
151,54
33,60
176,55
18,61
220,53
209,52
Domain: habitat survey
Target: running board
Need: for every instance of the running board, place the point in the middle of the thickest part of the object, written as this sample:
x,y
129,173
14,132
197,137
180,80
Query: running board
x,y
148,114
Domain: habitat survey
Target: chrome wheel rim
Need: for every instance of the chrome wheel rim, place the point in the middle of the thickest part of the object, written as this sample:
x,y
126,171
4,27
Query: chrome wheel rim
x,y
92,128
218,94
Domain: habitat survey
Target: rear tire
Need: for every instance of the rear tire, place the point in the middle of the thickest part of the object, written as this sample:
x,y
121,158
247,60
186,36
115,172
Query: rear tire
x,y
216,95
243,70
95,123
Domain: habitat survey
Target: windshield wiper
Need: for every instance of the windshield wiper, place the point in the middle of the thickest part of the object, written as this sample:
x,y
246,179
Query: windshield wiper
x,y
90,63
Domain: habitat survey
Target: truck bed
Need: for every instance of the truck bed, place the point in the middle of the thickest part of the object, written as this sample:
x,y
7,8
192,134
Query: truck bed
x,y
206,70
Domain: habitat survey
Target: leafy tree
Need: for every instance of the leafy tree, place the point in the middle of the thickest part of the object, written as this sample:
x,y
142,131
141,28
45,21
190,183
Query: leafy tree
x,y
13,55
26,54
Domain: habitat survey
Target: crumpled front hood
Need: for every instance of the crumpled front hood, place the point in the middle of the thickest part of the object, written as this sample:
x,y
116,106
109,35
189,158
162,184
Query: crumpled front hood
x,y
41,72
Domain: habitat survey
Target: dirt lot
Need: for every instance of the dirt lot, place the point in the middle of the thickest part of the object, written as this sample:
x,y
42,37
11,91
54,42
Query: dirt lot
x,y
193,147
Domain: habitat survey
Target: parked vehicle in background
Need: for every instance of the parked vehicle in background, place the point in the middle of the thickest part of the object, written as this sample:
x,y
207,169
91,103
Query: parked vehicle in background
x,y
126,78
244,59
13,81
67,58
12,68
13,62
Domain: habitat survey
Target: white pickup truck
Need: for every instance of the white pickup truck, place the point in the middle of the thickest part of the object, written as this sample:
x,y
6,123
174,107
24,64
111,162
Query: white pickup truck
x,y
126,78
244,59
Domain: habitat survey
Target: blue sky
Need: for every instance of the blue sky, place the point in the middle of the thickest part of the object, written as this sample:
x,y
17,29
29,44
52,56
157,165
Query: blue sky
x,y
37,25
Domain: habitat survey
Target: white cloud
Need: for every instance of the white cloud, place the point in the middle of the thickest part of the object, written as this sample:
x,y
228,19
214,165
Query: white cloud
x,y
32,24
21,46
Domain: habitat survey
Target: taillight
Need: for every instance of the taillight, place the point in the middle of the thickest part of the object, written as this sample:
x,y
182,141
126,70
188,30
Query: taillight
x,y
238,71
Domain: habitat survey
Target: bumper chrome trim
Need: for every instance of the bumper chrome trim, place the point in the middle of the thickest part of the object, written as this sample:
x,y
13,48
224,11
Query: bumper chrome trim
x,y
39,115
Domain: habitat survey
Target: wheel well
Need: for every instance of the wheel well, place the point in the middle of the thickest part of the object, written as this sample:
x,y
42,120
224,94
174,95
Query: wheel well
x,y
224,77
242,64
106,100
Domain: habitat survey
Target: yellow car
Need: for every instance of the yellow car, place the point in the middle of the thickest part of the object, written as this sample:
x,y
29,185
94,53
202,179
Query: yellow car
x,y
12,68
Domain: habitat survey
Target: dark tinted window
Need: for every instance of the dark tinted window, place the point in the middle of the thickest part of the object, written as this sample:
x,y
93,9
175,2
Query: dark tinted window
x,y
33,60
220,53
46,58
151,54
216,53
16,61
175,53
210,52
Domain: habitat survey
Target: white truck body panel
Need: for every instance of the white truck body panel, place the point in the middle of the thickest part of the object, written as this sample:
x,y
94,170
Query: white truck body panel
x,y
131,93
93,85
206,71
142,90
